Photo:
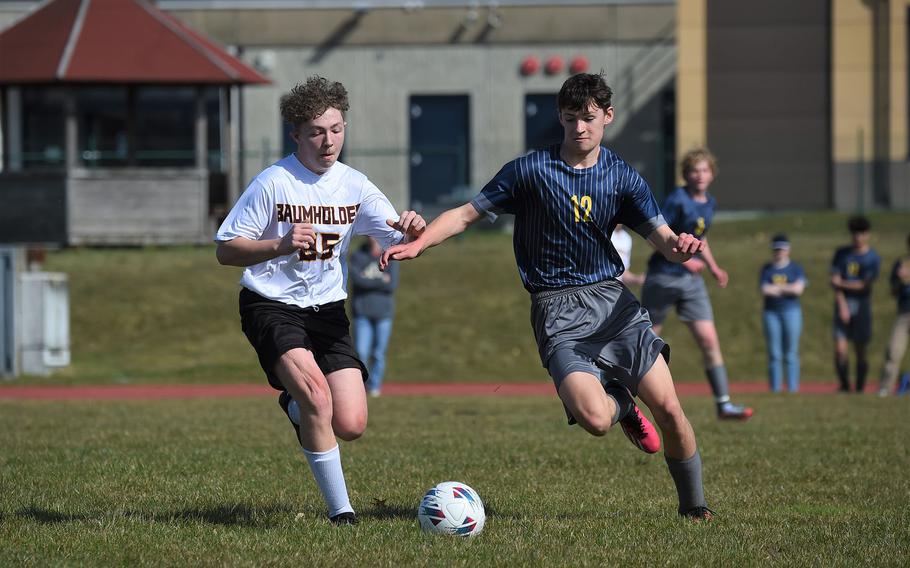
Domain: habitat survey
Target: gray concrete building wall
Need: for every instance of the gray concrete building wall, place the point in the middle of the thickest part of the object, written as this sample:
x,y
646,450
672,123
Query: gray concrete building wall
x,y
134,206
380,81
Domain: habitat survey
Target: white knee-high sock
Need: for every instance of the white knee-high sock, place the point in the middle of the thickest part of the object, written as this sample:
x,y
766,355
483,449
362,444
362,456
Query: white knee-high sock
x,y
326,468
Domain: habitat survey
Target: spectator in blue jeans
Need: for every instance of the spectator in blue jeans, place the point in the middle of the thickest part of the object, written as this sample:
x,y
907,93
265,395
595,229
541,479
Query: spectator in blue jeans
x,y
373,306
782,282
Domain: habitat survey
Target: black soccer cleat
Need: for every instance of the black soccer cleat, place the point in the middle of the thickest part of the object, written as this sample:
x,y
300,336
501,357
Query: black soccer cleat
x,y
698,514
346,518
284,401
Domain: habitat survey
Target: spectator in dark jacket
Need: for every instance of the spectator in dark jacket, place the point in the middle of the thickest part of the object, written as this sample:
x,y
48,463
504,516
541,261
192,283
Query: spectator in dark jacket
x,y
373,303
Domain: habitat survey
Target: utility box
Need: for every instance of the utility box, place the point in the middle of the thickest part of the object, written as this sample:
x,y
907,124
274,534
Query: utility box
x,y
34,317
12,261
44,329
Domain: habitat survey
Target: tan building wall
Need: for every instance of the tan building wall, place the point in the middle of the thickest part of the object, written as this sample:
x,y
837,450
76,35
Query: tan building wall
x,y
899,69
869,141
691,77
867,102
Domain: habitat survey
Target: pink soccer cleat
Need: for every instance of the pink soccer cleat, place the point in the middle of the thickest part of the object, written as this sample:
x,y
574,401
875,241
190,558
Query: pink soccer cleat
x,y
730,411
640,431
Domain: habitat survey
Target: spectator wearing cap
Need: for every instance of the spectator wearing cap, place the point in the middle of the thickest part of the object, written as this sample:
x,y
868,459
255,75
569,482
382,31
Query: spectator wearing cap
x,y
782,282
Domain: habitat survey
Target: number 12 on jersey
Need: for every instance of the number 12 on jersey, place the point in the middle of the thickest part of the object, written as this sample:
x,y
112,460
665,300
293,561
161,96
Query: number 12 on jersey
x,y
582,208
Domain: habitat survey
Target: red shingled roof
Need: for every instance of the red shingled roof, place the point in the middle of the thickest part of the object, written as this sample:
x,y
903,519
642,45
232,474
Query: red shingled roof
x,y
113,41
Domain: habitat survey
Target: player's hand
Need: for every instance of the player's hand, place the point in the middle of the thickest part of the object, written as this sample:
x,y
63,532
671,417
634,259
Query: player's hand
x,y
409,223
688,245
404,251
300,237
694,265
721,276
843,312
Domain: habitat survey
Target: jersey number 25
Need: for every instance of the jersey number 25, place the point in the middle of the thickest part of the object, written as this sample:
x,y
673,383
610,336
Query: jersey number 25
x,y
324,252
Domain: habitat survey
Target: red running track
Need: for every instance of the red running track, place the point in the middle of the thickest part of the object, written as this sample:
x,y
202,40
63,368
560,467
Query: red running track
x,y
158,392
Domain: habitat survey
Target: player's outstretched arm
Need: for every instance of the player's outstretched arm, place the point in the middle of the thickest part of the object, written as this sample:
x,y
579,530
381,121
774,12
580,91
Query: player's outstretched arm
x,y
241,251
410,223
719,273
675,248
449,224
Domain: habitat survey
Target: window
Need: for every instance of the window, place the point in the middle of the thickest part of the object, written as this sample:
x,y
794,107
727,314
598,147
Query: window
x,y
216,162
165,119
43,128
439,150
542,126
103,139
119,126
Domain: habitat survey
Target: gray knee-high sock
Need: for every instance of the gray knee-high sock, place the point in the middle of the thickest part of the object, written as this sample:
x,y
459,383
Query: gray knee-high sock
x,y
717,376
686,475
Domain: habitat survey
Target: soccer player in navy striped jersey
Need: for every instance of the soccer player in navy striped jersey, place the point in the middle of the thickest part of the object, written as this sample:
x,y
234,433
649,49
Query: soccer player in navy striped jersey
x,y
593,336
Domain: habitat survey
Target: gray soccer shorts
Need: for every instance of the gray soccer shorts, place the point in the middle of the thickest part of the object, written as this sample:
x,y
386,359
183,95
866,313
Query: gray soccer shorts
x,y
686,292
859,328
599,329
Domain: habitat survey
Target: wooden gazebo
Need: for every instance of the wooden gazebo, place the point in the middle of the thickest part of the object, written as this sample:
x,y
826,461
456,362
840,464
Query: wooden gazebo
x,y
116,122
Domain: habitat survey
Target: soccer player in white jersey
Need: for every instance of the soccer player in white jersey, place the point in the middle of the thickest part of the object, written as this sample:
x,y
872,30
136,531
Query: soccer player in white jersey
x,y
290,230
622,242
594,337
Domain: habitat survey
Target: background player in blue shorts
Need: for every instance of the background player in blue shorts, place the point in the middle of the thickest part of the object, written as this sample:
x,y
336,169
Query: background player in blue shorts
x,y
593,336
690,209
853,269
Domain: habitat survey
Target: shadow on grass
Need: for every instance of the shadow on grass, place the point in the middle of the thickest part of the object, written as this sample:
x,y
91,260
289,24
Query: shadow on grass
x,y
48,517
237,514
382,509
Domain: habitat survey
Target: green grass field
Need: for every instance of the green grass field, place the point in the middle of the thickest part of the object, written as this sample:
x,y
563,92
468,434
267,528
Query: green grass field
x,y
811,481
156,315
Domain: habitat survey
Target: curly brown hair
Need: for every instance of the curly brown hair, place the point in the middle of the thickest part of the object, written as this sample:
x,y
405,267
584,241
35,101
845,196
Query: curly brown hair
x,y
695,156
308,100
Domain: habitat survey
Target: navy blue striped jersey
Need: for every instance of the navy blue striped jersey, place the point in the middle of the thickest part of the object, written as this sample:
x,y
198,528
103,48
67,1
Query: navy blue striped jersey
x,y
564,216
684,215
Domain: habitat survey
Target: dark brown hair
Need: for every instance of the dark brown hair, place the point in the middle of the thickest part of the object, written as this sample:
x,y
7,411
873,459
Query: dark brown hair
x,y
583,88
308,100
858,224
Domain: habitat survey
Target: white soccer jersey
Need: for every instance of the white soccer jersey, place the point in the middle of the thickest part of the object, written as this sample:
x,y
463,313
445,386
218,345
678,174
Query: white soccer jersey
x,y
622,242
340,203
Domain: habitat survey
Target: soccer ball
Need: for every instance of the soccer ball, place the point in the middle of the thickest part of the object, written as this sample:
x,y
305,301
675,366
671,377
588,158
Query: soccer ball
x,y
451,508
